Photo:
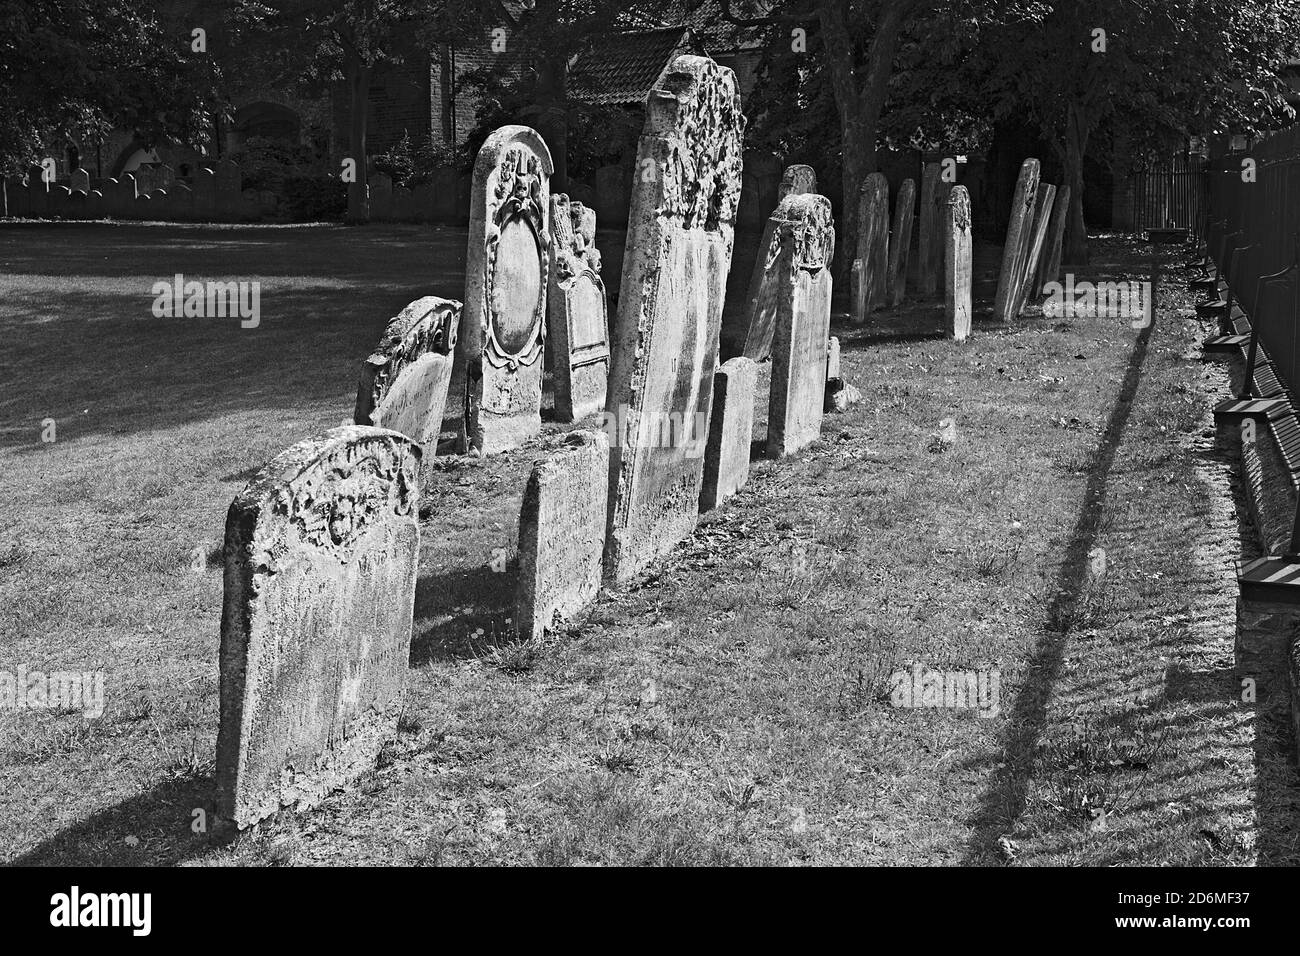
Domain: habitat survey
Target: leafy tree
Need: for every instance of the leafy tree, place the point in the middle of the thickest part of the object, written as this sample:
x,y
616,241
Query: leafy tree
x,y
1140,74
71,69
357,41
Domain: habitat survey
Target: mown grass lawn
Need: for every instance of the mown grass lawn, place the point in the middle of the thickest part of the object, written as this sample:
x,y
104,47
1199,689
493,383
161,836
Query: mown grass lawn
x,y
731,707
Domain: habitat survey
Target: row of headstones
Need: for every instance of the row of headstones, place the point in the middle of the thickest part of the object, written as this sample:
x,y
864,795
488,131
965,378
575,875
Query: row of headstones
x,y
1031,254
150,193
944,247
322,547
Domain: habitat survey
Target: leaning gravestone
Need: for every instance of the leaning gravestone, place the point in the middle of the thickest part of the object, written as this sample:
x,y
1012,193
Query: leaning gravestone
x,y
1051,268
678,253
1015,251
506,275
873,246
803,323
958,270
796,179
562,533
900,242
726,456
321,554
404,382
927,270
1037,240
750,332
576,321
79,181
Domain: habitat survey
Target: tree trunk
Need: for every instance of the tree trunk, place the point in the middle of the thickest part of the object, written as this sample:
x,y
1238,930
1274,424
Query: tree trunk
x,y
553,122
858,100
1076,147
359,104
447,80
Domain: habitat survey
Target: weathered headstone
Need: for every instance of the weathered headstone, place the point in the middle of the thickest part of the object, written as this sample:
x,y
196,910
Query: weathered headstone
x,y
958,270
562,533
506,276
927,269
577,325
731,425
797,179
873,245
404,382
678,253
833,358
749,331
1051,270
803,322
1015,250
79,181
1037,240
321,554
901,241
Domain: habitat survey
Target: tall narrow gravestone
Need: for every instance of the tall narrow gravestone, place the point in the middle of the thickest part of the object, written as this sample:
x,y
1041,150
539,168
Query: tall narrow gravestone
x,y
678,253
405,380
1015,251
1051,268
901,241
575,313
750,332
803,323
927,270
506,274
562,533
1037,240
873,246
957,264
321,554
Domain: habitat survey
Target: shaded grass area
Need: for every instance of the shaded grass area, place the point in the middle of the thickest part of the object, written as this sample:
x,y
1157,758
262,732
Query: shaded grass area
x,y
731,707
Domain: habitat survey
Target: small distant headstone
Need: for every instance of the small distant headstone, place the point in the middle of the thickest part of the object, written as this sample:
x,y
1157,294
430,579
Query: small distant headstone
x,y
957,264
506,277
833,358
927,269
576,318
1015,250
562,533
873,244
900,242
79,181
731,426
679,245
803,321
404,382
321,554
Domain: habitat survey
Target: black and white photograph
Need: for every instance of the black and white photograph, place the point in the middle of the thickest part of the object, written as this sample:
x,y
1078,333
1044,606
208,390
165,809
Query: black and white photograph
x,y
651,433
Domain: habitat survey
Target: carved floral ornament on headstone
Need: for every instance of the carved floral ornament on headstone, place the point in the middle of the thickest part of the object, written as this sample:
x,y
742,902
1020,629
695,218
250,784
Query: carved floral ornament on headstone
x,y
702,171
517,215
